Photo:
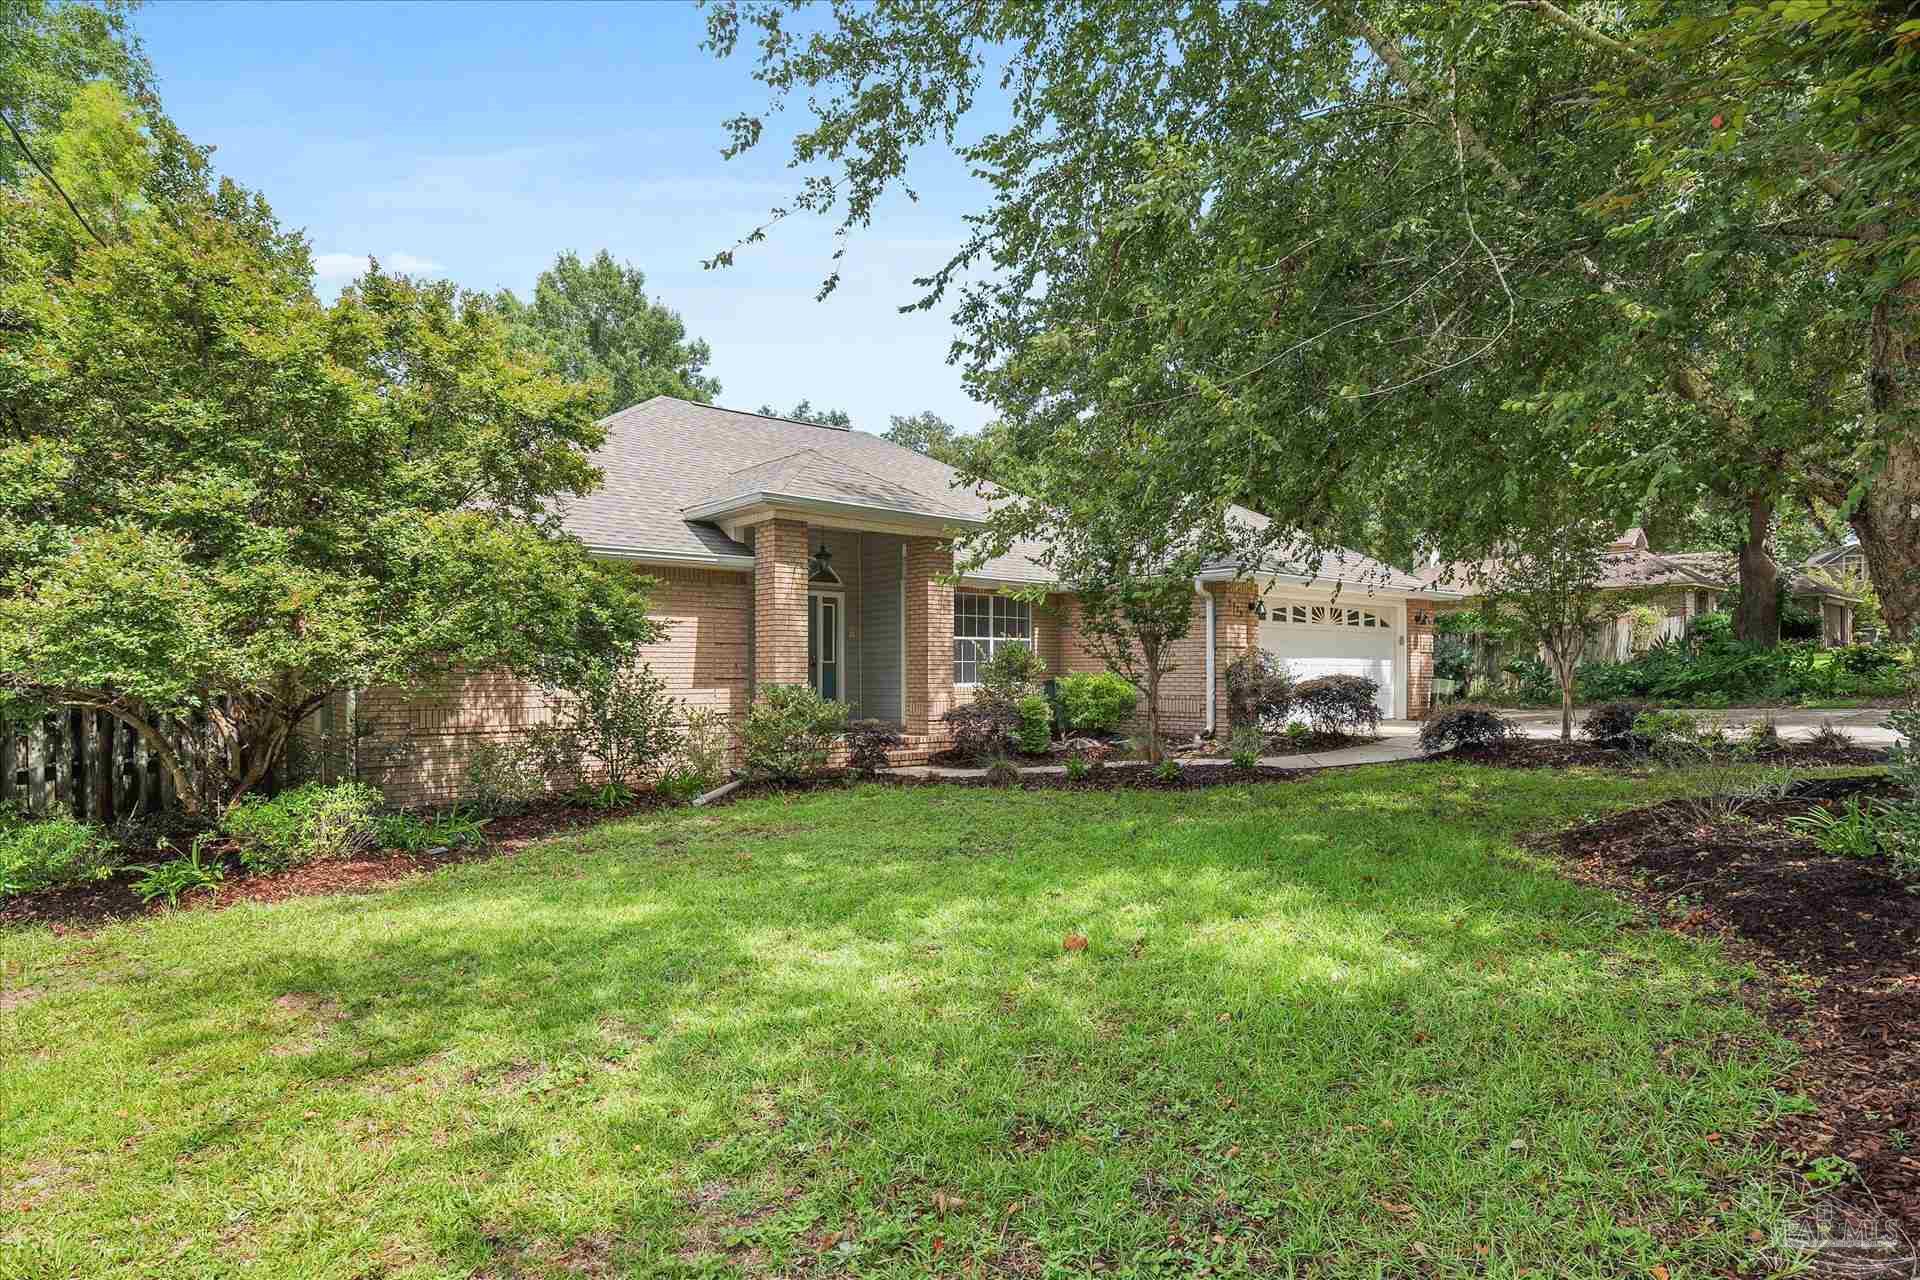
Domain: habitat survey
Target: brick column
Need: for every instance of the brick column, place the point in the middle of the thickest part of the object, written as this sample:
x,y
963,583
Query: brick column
x,y
1235,631
779,603
929,636
1419,658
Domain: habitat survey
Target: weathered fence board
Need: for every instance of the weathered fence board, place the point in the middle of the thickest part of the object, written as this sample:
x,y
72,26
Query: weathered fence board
x,y
93,766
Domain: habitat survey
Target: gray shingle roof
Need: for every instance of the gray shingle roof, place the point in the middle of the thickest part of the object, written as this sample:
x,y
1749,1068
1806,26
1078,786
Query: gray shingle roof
x,y
811,473
664,456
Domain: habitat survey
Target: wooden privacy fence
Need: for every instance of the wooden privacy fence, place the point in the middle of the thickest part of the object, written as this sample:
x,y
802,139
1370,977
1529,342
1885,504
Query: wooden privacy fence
x,y
92,765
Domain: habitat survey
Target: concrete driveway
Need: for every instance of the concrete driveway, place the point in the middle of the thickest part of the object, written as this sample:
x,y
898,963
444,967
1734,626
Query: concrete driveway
x,y
1867,726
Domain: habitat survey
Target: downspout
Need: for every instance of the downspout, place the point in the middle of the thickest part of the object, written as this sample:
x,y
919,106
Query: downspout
x,y
1201,587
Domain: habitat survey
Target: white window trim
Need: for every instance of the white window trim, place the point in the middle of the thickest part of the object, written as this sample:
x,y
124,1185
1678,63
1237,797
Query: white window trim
x,y
990,641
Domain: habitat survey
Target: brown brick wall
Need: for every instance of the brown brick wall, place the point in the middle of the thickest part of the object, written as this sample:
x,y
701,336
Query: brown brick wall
x,y
1183,693
929,633
423,736
780,602
1420,615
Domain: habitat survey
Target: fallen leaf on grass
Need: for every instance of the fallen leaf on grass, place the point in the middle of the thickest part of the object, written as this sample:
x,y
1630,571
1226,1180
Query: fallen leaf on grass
x,y
1075,942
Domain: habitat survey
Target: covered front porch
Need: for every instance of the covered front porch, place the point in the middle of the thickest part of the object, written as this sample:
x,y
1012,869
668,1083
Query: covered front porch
x,y
861,615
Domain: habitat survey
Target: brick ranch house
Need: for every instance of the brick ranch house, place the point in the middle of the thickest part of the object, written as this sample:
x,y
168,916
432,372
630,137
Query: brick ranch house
x,y
790,552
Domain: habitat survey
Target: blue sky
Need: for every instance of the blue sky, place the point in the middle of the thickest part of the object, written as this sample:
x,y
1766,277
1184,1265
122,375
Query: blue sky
x,y
475,141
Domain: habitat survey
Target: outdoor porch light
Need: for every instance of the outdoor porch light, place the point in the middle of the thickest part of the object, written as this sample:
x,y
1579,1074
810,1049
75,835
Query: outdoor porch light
x,y
824,556
1258,608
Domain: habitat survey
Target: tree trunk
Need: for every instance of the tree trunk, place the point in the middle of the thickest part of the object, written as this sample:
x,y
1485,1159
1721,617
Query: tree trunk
x,y
1153,708
1758,622
1887,520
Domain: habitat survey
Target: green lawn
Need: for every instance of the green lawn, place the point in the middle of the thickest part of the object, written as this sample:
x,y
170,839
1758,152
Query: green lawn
x,y
1338,1027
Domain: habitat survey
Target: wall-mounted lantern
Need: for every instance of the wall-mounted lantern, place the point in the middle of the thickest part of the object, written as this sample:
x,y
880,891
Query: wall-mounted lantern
x,y
1258,608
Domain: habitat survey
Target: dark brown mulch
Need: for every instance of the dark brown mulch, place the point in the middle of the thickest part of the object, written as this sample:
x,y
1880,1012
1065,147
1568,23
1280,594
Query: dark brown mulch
x,y
1552,753
1837,941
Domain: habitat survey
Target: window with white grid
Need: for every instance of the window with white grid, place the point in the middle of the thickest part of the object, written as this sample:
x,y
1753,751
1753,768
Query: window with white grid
x,y
981,624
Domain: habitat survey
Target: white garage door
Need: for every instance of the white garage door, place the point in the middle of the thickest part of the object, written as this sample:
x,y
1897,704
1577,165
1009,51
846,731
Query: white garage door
x,y
1333,639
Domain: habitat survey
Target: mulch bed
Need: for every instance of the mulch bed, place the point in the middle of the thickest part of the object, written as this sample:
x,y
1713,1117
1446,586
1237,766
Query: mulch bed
x,y
84,908
1552,753
1837,941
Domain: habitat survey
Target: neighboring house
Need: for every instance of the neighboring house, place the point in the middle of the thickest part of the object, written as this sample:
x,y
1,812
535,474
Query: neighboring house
x,y
788,552
1681,586
1844,560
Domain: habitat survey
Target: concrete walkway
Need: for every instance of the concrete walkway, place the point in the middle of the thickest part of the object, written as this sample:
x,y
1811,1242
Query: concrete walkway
x,y
1399,739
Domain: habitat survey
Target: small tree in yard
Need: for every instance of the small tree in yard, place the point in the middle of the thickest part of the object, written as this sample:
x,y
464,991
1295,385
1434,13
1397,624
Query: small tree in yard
x,y
1545,591
1133,615
220,498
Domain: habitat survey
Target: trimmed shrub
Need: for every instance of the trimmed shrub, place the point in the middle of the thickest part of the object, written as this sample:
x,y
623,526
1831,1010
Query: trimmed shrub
x,y
1078,768
790,730
1259,690
981,729
51,852
1464,725
1035,732
615,727
867,745
1339,704
304,825
1612,721
1098,702
502,777
1011,674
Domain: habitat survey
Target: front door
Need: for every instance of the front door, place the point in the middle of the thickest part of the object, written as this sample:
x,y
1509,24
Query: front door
x,y
826,636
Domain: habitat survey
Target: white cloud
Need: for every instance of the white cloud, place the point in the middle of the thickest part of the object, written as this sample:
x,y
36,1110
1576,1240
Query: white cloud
x,y
338,268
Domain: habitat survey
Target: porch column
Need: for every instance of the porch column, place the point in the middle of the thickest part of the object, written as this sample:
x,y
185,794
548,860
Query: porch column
x,y
779,603
1236,631
1419,658
929,635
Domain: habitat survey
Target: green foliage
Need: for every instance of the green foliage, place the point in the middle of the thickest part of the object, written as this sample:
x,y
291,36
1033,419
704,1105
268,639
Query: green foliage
x,y
178,877
980,729
1612,722
453,829
927,433
1167,771
1852,831
1340,703
594,322
805,412
1035,733
1297,732
304,825
1730,671
1245,746
706,748
1735,182
218,496
614,725
52,852
1259,690
789,732
1532,679
1078,767
1098,702
502,777
1012,674
1464,725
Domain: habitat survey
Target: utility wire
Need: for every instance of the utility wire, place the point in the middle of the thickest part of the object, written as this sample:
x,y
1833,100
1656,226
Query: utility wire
x,y
51,180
